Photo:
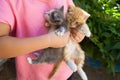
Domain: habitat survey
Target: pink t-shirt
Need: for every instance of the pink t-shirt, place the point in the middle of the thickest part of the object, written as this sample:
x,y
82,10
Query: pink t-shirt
x,y
26,19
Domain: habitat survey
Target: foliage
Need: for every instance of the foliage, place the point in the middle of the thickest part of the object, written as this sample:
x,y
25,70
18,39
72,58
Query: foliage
x,y
104,23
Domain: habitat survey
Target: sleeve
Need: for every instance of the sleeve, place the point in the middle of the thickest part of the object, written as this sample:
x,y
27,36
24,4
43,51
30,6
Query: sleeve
x,y
70,2
6,14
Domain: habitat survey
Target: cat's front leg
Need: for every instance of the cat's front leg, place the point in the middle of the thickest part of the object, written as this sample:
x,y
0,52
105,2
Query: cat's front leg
x,y
86,30
47,24
61,31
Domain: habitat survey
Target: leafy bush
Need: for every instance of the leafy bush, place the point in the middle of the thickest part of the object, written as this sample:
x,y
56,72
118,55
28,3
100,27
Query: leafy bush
x,y
104,23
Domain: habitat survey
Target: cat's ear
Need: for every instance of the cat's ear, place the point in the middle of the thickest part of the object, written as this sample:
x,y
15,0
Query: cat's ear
x,y
62,8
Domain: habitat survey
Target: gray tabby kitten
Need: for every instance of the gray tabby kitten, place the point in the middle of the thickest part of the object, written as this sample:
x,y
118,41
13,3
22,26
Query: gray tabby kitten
x,y
55,17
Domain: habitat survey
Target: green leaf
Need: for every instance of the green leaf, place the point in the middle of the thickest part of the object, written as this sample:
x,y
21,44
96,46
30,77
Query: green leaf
x,y
104,23
116,46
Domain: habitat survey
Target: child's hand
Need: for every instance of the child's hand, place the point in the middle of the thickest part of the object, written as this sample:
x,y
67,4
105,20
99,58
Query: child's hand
x,y
58,41
77,35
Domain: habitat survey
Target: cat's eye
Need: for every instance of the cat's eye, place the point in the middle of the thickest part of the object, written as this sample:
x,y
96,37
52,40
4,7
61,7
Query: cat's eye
x,y
77,22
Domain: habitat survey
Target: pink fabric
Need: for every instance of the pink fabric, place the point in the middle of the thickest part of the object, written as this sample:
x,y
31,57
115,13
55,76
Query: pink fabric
x,y
26,19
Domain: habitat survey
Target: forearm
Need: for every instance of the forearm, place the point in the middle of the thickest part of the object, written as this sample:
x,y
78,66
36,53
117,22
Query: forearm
x,y
12,46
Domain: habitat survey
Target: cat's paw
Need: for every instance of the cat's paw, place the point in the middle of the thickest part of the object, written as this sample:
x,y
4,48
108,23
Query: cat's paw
x,y
29,60
61,31
58,33
86,30
47,24
72,65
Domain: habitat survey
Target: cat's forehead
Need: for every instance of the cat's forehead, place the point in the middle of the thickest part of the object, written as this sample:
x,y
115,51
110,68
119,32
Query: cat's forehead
x,y
53,10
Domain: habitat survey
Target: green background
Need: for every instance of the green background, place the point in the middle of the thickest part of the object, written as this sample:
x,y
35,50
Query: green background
x,y
104,23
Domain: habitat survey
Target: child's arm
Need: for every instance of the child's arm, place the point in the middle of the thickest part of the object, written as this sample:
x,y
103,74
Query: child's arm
x,y
12,46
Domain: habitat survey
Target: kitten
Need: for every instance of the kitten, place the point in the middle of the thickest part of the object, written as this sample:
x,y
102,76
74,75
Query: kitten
x,y
73,53
56,19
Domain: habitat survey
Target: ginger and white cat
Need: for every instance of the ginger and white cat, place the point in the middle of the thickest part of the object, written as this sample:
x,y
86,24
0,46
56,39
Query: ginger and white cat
x,y
72,53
